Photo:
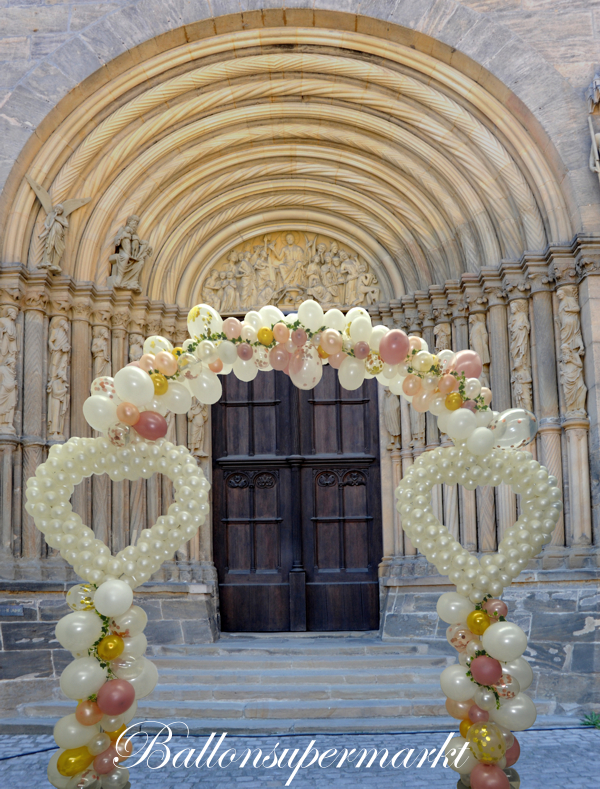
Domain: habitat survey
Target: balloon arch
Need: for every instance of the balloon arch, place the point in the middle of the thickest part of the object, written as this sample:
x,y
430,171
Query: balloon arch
x,y
104,632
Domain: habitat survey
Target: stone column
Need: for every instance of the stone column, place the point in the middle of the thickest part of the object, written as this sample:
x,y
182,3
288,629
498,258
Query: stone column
x,y
120,536
389,514
35,302
546,384
588,270
81,379
100,352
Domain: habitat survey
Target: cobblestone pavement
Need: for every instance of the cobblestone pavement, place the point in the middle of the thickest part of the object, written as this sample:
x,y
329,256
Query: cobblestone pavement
x,y
550,759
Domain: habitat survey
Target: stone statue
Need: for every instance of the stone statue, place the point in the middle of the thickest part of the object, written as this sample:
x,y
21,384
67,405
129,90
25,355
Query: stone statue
x,y
571,351
391,418
197,419
129,258
520,352
478,340
368,286
594,161
292,259
443,337
59,347
55,225
100,351
136,347
9,349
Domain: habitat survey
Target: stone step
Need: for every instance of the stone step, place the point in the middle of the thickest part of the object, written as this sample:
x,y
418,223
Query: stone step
x,y
291,646
299,662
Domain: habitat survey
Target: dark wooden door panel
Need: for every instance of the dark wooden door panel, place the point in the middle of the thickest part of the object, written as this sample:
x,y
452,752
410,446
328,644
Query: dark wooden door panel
x,y
297,527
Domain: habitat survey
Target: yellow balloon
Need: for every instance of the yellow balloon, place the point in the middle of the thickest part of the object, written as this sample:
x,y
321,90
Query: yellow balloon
x,y
74,761
464,727
110,647
478,622
453,401
114,735
265,336
160,383
177,351
487,742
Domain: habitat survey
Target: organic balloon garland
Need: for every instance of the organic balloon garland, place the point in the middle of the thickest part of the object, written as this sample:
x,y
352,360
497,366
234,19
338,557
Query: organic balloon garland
x,y
105,631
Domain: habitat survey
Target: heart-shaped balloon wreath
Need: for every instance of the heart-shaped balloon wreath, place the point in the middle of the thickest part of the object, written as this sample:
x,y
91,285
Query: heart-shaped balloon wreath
x,y
105,631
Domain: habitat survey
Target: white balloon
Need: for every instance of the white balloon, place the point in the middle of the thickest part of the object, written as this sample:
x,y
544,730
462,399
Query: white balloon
x,y
113,598
395,385
270,315
131,623
483,418
467,761
361,329
177,398
438,405
353,314
454,608
145,682
245,370
472,388
481,440
517,714
291,318
207,387
101,412
504,641
155,343
248,333
56,779
334,319
351,373
78,631
135,645
82,678
157,404
69,733
520,670
310,314
116,779
311,371
455,683
227,352
134,385
376,336
129,714
253,319
461,423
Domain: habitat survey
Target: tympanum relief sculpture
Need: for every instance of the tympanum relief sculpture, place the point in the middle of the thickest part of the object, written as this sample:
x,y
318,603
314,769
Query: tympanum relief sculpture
x,y
59,347
55,225
520,353
286,268
9,348
572,351
131,252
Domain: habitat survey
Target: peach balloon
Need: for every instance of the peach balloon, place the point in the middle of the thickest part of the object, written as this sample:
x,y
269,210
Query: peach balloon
x,y
88,713
281,332
133,364
447,384
422,400
128,413
486,394
165,363
414,343
146,362
411,385
469,363
232,328
331,341
216,366
459,709
336,359
279,357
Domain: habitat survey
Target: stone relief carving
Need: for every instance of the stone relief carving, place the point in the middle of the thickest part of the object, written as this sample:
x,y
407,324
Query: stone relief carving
x,y
391,418
197,419
284,270
136,346
571,351
100,351
479,341
520,352
131,252
55,225
9,348
59,347
443,336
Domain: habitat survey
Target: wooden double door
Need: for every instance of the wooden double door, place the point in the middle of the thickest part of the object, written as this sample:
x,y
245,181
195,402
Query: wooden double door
x,y
296,497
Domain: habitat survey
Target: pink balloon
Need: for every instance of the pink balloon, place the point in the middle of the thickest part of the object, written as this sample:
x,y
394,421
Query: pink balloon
x,y
469,363
488,776
133,364
296,361
486,670
104,763
336,359
513,753
411,385
422,400
244,351
151,425
447,384
394,346
232,328
279,358
281,333
477,715
299,337
116,696
495,608
216,366
470,404
146,362
362,349
331,341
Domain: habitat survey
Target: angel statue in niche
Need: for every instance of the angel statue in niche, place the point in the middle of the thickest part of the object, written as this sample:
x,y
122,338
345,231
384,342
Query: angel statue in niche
x,y
55,225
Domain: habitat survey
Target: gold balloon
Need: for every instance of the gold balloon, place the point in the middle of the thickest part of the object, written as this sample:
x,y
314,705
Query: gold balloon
x,y
265,336
114,735
160,383
487,742
464,727
478,622
74,761
110,647
453,401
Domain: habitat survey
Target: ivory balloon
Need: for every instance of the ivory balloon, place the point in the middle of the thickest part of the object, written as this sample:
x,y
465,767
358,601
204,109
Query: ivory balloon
x,y
270,315
310,313
253,319
456,684
466,762
520,670
57,779
117,779
69,733
481,440
177,398
135,645
351,373
361,329
131,623
207,387
78,631
100,412
227,352
133,385
334,319
146,681
82,678
376,336
504,641
461,423
454,608
517,714
244,370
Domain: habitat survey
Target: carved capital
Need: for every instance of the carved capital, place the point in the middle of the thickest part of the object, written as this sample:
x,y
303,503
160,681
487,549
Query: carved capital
x,y
100,317
587,266
10,294
81,310
563,270
120,320
35,299
59,305
539,277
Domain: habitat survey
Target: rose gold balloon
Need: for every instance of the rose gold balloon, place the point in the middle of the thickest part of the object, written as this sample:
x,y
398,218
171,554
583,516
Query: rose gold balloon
x,y
467,362
486,394
421,401
128,413
488,776
104,763
394,346
299,337
232,328
411,385
146,362
244,351
279,357
331,341
470,404
414,344
512,754
362,349
166,363
88,713
459,709
151,425
477,715
216,366
281,332
494,607
336,359
447,384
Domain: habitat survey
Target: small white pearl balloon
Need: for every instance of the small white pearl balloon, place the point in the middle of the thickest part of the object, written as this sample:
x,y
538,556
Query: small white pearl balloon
x,y
461,423
516,714
480,441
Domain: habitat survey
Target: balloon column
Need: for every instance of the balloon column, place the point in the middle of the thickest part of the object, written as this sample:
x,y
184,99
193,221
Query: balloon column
x,y
484,689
